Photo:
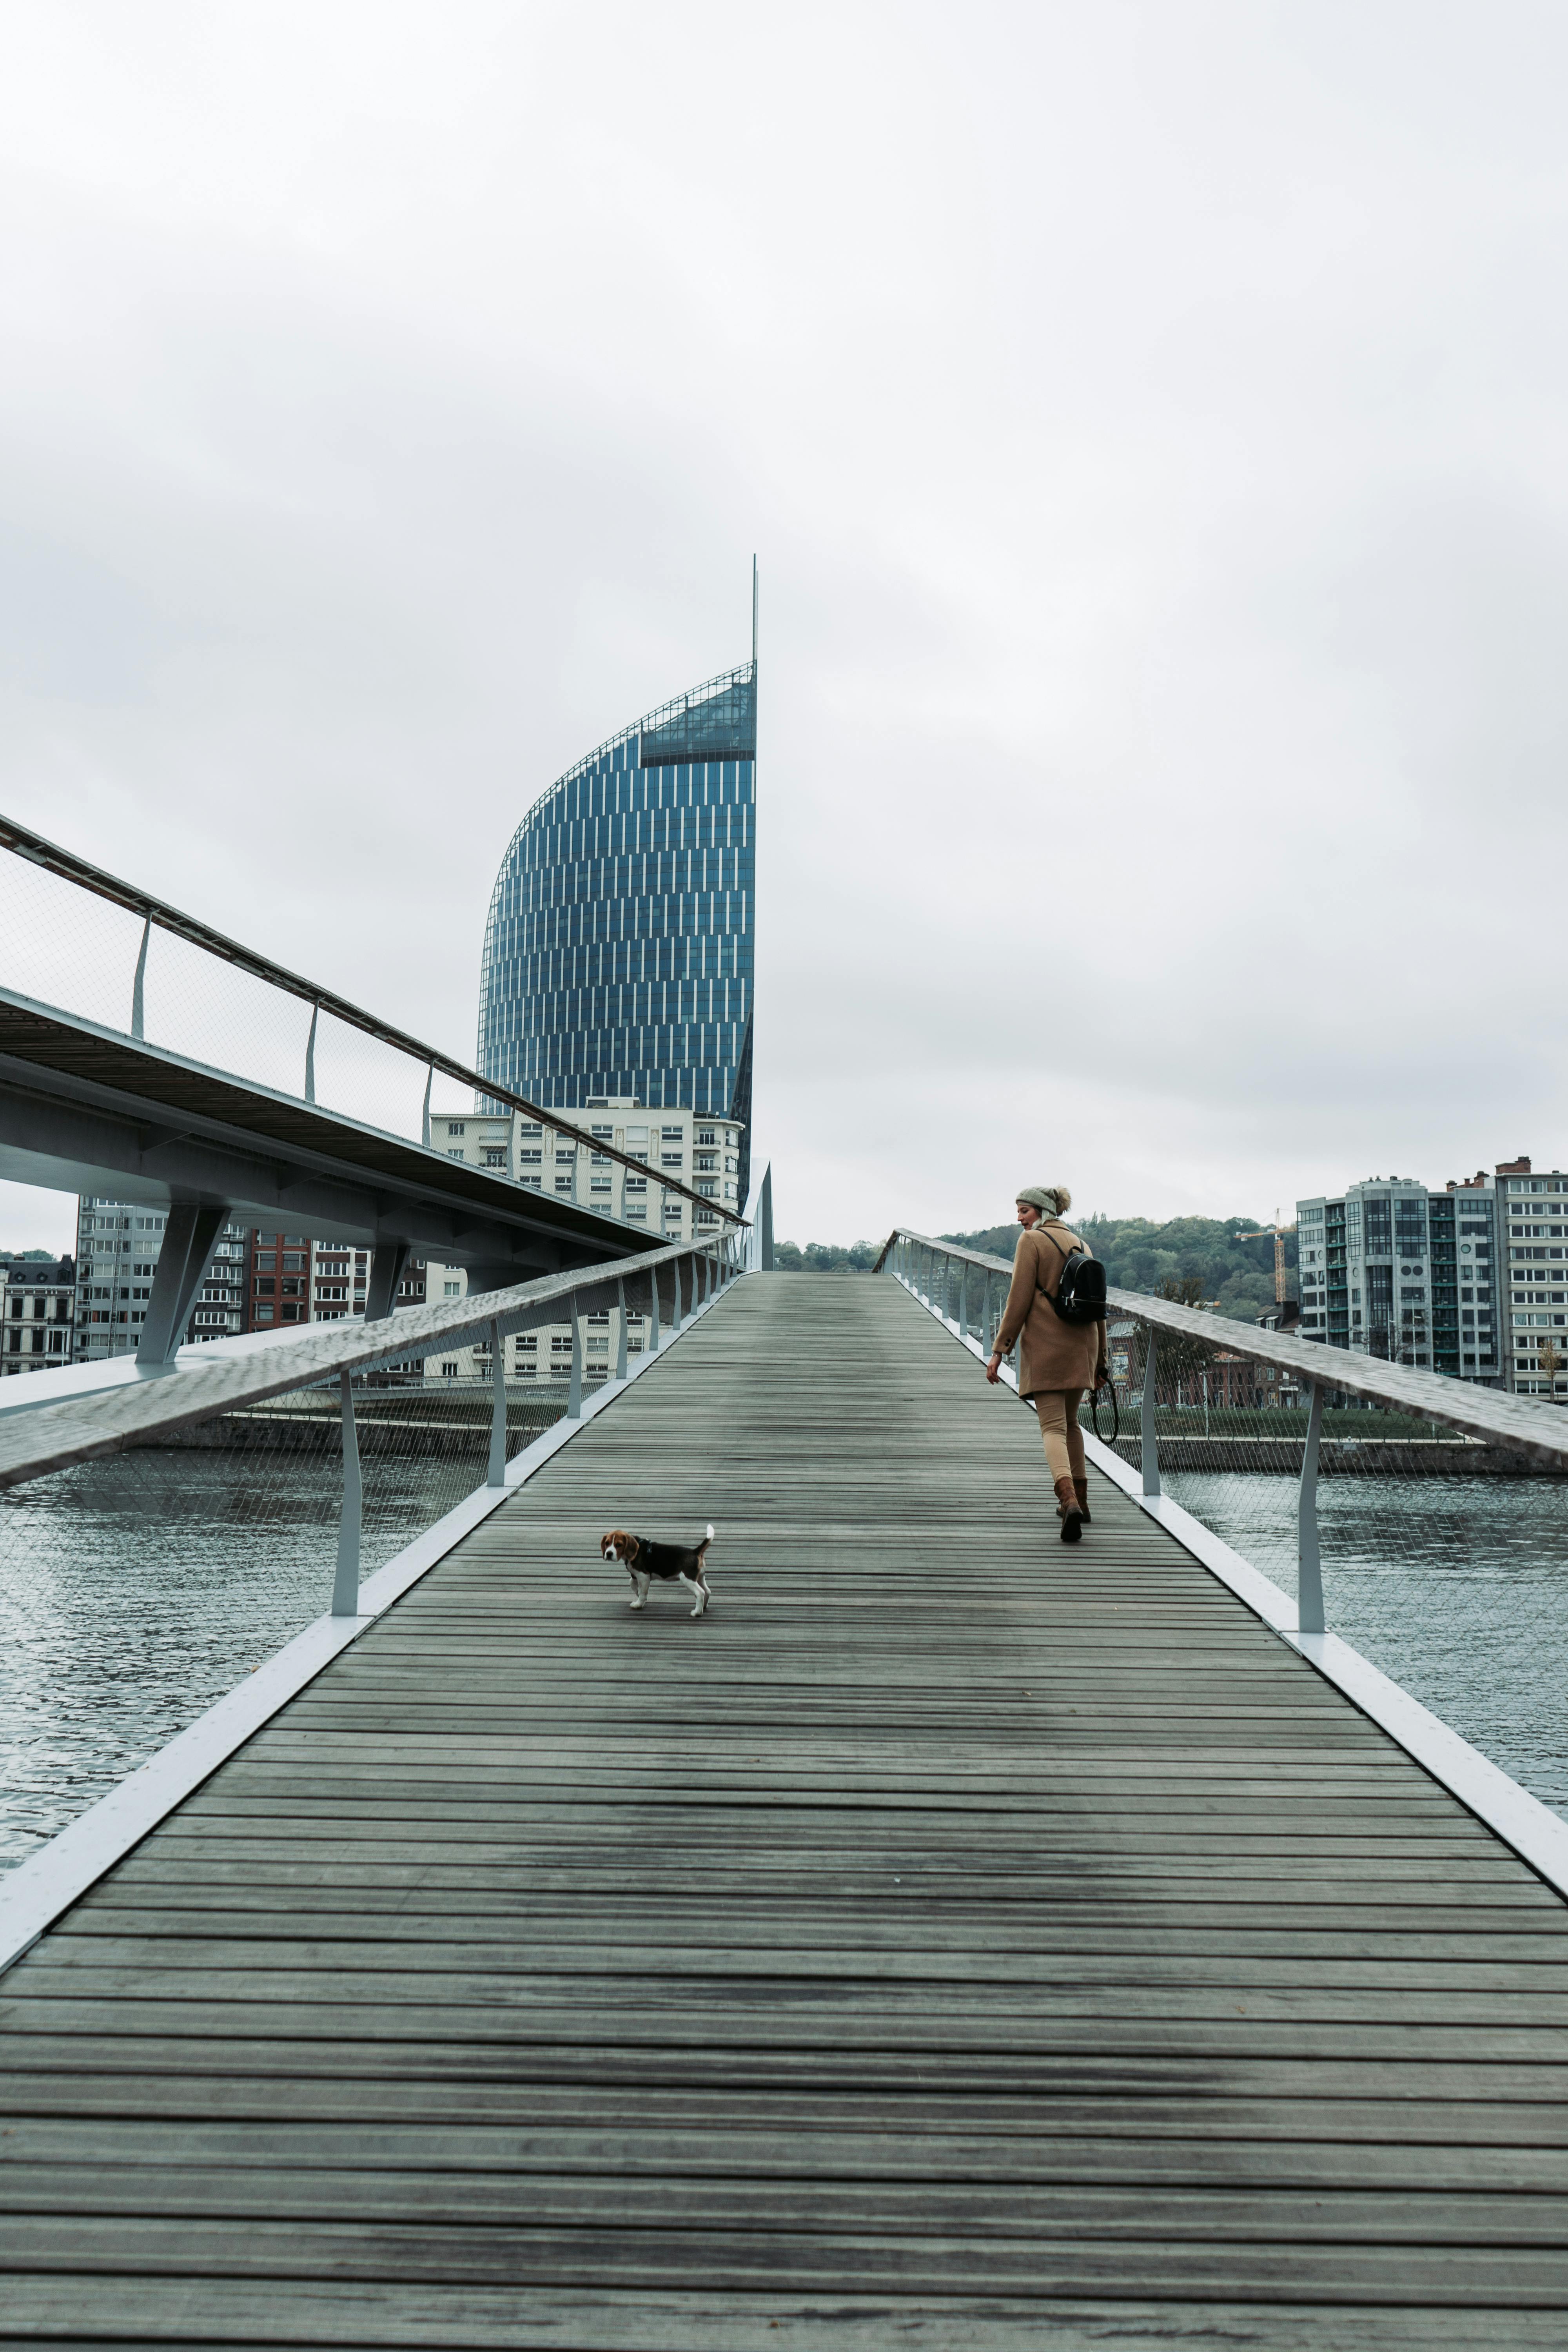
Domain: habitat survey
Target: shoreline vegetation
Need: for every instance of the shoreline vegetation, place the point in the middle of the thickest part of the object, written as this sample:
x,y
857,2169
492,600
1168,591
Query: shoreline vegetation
x,y
1203,1261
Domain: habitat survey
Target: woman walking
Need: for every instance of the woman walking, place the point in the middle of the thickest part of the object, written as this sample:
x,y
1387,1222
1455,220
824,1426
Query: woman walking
x,y
1056,1360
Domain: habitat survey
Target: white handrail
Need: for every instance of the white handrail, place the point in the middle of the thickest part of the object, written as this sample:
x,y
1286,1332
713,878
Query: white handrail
x,y
1538,1432
81,1429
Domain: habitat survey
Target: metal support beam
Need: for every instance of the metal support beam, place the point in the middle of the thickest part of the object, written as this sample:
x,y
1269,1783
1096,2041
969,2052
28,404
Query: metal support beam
x,y
345,1583
497,1411
575,1393
1151,1449
311,1056
425,1114
765,1219
386,1271
190,1238
139,985
1309,1616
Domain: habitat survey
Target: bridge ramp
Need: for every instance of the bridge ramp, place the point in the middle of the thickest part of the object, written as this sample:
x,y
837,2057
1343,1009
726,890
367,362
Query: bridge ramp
x,y
955,1939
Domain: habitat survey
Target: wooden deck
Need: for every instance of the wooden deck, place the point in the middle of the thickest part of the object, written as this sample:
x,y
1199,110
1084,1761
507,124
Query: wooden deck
x,y
954,1940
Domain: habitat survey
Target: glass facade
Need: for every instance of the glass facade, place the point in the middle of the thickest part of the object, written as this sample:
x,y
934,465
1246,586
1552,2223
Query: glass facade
x,y
617,958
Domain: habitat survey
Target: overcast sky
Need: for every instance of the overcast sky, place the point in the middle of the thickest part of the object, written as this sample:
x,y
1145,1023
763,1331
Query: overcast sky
x,y
1151,421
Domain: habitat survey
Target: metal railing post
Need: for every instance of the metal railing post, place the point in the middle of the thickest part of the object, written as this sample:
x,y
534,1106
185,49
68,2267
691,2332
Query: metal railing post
x,y
621,1319
990,1331
345,1583
497,1408
1150,1446
674,1312
575,1393
311,1056
653,1331
964,1299
1309,1616
425,1115
139,985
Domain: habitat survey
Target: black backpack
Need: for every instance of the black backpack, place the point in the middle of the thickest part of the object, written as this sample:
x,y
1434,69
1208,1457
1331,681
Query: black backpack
x,y
1080,1292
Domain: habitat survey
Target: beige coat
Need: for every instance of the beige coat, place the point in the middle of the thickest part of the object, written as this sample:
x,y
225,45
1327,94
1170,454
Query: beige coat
x,y
1053,1354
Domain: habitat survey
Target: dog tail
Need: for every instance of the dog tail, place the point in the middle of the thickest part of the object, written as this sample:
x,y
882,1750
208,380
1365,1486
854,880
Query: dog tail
x,y
706,1540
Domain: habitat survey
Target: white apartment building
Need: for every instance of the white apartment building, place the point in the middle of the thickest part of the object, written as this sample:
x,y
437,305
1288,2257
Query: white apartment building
x,y
117,1246
1391,1269
565,1155
38,1306
255,1279
559,1155
1535,1210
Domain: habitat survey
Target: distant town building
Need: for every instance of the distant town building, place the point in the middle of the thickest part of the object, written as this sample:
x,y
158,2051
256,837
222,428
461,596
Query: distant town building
x,y
1535,1209
1391,1269
37,1311
618,950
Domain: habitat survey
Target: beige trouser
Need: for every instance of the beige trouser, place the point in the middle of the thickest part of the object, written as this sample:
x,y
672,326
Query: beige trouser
x,y
1058,1410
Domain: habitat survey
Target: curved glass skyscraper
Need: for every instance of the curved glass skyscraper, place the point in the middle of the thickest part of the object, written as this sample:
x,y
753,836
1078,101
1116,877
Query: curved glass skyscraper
x,y
618,950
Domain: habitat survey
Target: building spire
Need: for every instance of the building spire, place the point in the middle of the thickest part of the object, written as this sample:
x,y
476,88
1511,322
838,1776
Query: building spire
x,y
753,614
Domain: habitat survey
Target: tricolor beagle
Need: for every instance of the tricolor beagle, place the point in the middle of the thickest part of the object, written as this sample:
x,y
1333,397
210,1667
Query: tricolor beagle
x,y
671,1563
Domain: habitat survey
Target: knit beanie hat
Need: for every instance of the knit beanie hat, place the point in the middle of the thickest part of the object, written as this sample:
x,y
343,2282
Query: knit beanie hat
x,y
1051,1200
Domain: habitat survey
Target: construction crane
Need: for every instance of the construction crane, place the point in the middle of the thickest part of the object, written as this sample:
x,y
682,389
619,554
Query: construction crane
x,y
1277,1232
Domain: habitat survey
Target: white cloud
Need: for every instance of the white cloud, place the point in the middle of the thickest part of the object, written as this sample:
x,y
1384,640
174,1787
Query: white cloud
x,y
1150,422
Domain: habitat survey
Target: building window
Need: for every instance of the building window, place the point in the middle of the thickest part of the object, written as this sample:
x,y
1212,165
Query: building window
x,y
456,1127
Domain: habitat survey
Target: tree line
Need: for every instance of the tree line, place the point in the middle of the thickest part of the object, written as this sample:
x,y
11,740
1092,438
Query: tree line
x,y
1200,1261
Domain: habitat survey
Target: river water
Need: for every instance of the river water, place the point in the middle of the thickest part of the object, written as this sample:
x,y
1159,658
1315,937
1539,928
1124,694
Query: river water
x,y
1456,1588
121,1621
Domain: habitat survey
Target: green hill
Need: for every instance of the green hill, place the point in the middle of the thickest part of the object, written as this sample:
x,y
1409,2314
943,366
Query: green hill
x,y
1238,1274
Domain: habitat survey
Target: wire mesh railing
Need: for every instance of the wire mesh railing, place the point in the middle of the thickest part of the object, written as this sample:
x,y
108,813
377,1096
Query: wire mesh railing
x,y
160,1540
1423,1519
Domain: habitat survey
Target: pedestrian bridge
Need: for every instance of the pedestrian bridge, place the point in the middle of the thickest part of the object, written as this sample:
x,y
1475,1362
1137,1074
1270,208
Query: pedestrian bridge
x,y
952,1940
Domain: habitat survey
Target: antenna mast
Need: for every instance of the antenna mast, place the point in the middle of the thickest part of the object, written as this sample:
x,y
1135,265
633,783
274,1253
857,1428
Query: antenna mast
x,y
753,613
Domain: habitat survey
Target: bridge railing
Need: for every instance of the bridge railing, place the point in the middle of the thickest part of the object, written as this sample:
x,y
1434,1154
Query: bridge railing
x,y
313,1392
83,942
1424,1518
194,1510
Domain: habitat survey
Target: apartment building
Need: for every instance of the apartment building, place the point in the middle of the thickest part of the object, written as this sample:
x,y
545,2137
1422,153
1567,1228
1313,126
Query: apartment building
x,y
117,1246
293,1279
1535,1211
255,1282
37,1311
1391,1269
566,1155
